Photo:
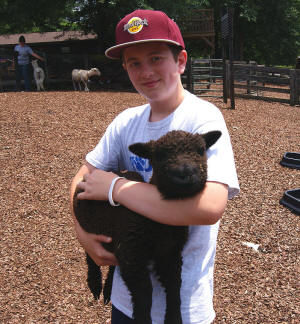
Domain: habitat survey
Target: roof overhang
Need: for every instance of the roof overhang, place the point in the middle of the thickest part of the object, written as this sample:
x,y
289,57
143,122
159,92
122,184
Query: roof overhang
x,y
47,37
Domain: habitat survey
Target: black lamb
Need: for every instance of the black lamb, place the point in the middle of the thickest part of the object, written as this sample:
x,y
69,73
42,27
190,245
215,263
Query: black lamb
x,y
179,167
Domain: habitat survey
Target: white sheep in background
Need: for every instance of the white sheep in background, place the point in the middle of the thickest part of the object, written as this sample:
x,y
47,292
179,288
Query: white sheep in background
x,y
83,76
39,75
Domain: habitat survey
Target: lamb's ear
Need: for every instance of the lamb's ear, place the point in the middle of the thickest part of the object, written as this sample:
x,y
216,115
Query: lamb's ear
x,y
211,138
141,149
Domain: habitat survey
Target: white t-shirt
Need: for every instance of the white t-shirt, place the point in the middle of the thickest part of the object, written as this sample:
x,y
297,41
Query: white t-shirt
x,y
132,125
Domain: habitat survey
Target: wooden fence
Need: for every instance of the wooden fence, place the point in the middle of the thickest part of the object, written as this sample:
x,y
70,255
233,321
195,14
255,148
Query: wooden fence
x,y
211,77
267,83
204,77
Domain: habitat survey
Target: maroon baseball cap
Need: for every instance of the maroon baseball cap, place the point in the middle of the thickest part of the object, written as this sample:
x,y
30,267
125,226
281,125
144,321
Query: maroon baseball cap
x,y
142,26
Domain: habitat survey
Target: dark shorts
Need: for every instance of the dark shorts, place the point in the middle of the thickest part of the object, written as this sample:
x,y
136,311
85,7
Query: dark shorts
x,y
118,317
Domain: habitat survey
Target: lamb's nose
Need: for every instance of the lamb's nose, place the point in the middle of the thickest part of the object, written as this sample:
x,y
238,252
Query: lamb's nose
x,y
184,173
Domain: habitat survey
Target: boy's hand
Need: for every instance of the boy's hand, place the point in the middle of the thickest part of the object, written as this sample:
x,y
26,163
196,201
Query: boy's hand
x,y
92,245
96,185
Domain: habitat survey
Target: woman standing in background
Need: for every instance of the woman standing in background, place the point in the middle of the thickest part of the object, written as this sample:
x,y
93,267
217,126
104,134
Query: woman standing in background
x,y
22,63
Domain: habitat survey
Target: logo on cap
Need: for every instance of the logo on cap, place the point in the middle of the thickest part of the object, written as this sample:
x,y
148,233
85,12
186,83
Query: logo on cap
x,y
135,25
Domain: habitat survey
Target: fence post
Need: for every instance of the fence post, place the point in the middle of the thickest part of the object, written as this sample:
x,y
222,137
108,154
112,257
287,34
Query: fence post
x,y
231,58
225,94
297,86
292,87
189,76
252,73
228,79
230,83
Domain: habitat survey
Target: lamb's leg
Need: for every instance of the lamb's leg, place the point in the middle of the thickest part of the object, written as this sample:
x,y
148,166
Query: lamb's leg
x,y
85,86
138,282
94,278
36,80
42,78
108,285
168,269
74,86
133,257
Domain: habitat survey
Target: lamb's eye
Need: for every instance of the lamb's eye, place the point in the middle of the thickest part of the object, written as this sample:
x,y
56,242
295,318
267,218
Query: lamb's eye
x,y
161,154
201,150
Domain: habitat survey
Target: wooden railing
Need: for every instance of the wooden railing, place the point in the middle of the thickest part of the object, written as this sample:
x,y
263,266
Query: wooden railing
x,y
267,83
207,78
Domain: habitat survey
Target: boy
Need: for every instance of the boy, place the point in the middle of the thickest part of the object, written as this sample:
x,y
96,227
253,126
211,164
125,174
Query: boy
x,y
152,50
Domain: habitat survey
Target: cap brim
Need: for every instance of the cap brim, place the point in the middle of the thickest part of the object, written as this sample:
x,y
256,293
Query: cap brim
x,y
115,52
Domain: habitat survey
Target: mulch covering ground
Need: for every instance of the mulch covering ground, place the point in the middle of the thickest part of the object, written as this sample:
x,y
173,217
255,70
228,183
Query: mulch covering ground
x,y
44,138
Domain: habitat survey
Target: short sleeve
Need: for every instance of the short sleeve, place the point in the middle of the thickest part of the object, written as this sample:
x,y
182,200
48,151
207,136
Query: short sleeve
x,y
105,155
220,157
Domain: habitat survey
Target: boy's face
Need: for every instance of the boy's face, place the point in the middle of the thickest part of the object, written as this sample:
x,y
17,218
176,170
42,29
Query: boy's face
x,y
153,71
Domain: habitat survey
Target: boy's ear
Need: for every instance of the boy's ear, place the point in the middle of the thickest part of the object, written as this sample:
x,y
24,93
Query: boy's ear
x,y
141,149
210,138
182,59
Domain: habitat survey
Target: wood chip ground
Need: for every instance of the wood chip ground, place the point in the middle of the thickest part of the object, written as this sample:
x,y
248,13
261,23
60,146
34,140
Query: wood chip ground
x,y
44,138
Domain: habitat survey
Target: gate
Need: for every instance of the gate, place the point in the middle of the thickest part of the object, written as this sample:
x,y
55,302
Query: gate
x,y
204,77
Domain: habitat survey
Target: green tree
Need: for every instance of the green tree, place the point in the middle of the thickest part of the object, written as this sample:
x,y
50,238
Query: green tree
x,y
274,37
266,31
101,16
20,16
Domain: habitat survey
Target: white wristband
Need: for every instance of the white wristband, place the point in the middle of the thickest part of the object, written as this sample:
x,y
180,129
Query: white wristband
x,y
110,198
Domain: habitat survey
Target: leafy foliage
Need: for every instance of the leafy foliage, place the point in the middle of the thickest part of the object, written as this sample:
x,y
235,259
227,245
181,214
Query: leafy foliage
x,y
266,31
101,16
274,37
20,16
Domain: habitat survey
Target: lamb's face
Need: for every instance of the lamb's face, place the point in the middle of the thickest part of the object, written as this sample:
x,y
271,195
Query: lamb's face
x,y
34,63
178,160
94,74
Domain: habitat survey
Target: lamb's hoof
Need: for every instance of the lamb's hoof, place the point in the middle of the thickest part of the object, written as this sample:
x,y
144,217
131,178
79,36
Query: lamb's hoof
x,y
96,294
106,293
95,287
106,301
